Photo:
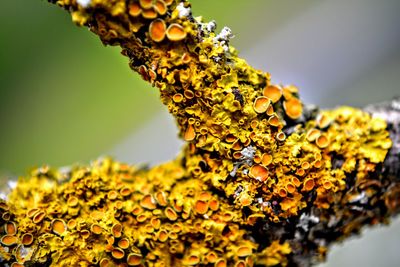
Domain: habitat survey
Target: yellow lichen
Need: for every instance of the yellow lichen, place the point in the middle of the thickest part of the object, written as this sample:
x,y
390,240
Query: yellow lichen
x,y
241,166
276,253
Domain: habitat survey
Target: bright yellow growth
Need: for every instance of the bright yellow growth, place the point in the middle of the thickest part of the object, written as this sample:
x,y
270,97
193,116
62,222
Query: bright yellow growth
x,y
111,211
254,154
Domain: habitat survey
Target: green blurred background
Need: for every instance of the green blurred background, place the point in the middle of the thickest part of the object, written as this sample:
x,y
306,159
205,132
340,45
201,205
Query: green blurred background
x,y
65,99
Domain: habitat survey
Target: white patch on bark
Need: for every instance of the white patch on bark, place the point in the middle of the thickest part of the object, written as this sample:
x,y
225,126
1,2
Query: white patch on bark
x,y
84,3
183,11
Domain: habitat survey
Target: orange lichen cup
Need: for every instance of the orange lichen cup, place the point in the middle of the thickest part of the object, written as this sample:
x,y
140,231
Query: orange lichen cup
x,y
146,3
274,120
135,9
190,133
117,253
259,172
39,217
9,240
171,214
10,228
266,159
290,187
312,134
293,108
134,259
322,141
308,184
281,136
273,92
176,32
95,229
157,30
160,7
323,120
123,243
261,104
220,263
244,251
27,239
192,260
148,202
58,226
201,207
177,98
149,13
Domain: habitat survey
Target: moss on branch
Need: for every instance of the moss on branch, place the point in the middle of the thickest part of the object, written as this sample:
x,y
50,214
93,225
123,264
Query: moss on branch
x,y
264,180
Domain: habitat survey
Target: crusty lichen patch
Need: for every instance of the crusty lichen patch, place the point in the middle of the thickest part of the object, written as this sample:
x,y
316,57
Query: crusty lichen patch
x,y
256,157
114,213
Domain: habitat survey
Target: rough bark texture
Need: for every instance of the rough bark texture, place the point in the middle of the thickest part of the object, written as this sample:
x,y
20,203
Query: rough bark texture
x,y
263,180
390,112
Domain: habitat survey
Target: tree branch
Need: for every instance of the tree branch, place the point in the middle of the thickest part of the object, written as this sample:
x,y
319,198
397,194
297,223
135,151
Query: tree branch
x,y
263,180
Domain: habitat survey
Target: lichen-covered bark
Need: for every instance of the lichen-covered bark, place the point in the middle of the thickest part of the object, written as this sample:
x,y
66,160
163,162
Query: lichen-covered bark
x,y
390,112
263,180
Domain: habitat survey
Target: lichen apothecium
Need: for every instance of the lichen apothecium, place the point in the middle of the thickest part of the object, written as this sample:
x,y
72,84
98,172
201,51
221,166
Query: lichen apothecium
x,y
259,168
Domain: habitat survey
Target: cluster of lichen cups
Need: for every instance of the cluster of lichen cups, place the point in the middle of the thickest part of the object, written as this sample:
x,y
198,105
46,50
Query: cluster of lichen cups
x,y
254,154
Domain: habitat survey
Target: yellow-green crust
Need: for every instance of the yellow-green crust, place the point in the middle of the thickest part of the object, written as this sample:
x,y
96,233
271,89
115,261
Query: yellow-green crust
x,y
255,155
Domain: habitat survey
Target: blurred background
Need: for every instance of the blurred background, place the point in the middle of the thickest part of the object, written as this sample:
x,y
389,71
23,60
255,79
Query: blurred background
x,y
65,99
